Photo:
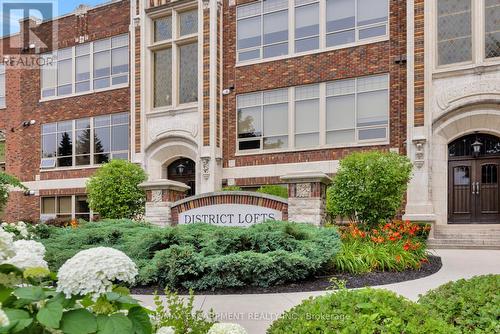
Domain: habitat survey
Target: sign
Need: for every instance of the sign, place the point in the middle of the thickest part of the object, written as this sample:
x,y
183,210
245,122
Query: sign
x,y
241,215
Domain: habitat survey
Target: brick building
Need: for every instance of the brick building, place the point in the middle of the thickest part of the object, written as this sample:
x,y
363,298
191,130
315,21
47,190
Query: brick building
x,y
212,93
240,92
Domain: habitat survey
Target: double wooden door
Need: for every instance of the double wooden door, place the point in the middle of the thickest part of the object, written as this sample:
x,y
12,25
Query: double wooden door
x,y
473,191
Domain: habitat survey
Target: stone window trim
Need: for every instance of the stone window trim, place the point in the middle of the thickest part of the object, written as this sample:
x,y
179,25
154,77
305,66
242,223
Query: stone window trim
x,y
174,42
323,131
323,34
116,80
51,162
50,207
478,26
3,86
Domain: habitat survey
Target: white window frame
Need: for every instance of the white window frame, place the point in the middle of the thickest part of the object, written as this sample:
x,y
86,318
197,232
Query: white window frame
x,y
3,73
478,25
91,68
174,43
47,216
92,163
322,34
322,122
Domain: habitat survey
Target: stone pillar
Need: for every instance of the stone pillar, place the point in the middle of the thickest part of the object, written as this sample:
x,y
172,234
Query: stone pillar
x,y
160,194
307,197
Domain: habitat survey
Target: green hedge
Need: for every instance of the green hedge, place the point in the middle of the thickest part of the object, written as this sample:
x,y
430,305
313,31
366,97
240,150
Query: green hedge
x,y
360,311
203,256
471,305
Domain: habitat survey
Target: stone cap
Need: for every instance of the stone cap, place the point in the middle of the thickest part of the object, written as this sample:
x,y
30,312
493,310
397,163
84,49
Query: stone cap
x,y
304,177
164,185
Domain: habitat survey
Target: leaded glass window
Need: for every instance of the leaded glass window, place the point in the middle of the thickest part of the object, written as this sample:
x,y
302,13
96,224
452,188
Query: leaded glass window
x,y
454,31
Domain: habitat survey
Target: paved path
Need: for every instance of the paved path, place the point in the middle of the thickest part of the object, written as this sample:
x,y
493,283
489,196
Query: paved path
x,y
257,312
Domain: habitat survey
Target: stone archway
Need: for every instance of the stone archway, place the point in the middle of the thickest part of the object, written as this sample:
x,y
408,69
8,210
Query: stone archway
x,y
164,152
474,119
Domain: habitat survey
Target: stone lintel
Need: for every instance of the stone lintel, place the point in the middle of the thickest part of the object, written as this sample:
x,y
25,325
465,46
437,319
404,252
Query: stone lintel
x,y
307,177
164,185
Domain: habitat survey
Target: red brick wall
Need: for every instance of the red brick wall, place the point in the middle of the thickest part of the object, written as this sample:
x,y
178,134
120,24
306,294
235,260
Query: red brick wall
x,y
23,145
352,62
419,63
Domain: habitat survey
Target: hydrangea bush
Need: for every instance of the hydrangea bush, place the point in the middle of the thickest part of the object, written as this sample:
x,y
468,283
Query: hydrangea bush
x,y
94,270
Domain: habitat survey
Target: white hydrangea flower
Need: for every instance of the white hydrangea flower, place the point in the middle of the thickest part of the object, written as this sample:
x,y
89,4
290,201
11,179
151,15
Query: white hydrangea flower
x,y
6,245
94,270
166,330
31,246
4,320
227,328
29,254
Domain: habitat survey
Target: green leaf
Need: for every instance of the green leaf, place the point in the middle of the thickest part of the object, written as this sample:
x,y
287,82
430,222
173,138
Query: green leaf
x,y
114,324
78,321
116,297
5,293
19,319
140,320
50,315
32,293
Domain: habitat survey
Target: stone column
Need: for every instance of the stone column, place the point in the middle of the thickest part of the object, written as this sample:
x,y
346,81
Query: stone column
x,y
160,194
307,197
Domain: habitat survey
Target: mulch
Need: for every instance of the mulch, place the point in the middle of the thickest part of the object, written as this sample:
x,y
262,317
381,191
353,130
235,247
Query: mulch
x,y
322,283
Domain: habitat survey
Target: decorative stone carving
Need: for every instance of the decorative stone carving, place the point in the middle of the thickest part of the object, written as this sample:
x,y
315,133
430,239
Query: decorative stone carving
x,y
156,196
419,152
160,128
454,94
205,167
303,190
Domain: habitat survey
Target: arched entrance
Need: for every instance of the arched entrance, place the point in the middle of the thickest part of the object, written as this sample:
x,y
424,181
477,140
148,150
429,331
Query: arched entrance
x,y
473,185
183,170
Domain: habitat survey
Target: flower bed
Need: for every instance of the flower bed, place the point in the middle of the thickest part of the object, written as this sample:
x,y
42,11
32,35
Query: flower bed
x,y
203,256
394,246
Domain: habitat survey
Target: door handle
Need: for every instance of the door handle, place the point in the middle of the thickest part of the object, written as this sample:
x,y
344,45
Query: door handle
x,y
473,188
478,188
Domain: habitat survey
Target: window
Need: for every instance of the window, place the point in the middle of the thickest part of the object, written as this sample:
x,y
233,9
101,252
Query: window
x,y
68,71
65,207
263,120
175,59
492,28
348,21
2,86
306,25
262,27
307,116
356,111
454,31
86,141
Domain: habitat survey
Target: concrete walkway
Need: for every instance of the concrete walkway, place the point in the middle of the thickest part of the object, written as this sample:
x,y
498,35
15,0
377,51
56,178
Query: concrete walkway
x,y
257,312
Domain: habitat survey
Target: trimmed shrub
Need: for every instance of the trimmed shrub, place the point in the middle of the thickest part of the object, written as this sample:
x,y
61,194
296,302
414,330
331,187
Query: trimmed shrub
x,y
113,190
202,256
275,190
232,188
360,311
472,305
369,187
